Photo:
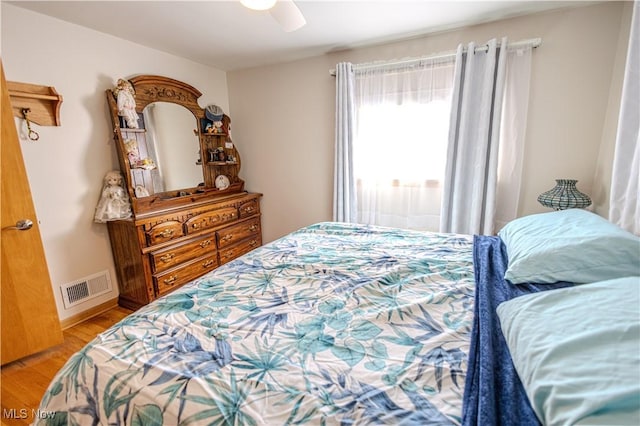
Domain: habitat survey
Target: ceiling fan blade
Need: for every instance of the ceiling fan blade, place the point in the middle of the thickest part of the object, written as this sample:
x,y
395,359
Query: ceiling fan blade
x,y
288,15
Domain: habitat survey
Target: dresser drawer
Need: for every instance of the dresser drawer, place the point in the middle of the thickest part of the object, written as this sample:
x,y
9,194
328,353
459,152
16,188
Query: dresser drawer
x,y
211,219
164,231
235,233
231,252
174,278
173,256
249,208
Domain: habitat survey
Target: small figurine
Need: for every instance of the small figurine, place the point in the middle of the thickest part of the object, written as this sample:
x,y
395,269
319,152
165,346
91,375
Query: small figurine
x,y
141,191
147,164
131,145
126,103
114,202
217,127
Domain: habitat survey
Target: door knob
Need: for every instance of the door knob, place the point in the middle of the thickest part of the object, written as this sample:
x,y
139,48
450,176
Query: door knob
x,y
22,225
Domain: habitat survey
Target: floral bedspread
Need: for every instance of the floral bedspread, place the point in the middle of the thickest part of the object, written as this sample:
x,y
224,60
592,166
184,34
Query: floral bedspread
x,y
332,324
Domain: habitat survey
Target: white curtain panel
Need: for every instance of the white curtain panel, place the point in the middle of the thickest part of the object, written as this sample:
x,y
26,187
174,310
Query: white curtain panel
x,y
512,134
344,189
469,196
400,142
625,202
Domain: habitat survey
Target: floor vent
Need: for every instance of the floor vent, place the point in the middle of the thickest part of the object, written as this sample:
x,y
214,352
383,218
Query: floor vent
x,y
85,288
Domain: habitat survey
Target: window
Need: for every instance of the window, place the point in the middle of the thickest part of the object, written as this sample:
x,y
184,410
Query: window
x,y
400,144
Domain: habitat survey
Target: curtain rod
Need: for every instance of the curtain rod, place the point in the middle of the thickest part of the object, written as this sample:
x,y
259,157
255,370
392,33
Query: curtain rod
x,y
533,42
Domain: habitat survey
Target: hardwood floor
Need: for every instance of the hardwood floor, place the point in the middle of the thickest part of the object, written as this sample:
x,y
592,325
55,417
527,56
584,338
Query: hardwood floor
x,y
23,382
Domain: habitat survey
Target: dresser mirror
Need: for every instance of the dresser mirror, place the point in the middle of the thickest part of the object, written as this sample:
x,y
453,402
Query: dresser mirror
x,y
171,159
173,145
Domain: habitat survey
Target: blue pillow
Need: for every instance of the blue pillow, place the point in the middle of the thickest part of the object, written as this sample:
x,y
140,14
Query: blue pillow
x,y
569,245
577,351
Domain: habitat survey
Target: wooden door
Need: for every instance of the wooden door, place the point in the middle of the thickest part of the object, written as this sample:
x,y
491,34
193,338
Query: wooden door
x,y
29,317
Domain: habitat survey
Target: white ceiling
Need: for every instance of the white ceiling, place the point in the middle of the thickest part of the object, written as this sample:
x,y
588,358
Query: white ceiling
x,y
227,36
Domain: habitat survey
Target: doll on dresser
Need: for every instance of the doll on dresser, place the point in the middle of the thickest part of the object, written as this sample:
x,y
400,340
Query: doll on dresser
x,y
114,202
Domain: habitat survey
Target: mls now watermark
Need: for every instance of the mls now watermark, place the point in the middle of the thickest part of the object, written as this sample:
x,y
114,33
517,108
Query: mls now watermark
x,y
23,413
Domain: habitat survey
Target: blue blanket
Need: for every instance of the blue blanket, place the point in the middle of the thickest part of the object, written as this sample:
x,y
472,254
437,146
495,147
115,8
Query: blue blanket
x,y
493,393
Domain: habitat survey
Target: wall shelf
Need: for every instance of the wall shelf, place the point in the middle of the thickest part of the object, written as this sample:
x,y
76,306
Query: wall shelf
x,y
42,101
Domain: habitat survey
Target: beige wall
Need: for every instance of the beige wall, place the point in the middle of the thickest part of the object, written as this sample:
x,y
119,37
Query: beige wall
x,y
283,115
66,166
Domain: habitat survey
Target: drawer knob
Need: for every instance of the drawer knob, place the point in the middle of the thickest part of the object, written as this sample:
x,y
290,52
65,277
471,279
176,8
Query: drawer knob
x,y
195,225
228,254
208,263
167,233
167,257
253,227
248,209
205,243
227,237
253,243
171,280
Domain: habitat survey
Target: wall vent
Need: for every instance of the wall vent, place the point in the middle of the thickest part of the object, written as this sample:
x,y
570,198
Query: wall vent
x,y
81,290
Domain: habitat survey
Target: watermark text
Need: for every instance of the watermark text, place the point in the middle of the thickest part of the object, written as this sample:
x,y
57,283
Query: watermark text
x,y
25,413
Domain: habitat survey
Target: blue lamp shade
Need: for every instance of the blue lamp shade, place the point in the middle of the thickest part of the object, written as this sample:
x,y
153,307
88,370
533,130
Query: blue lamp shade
x,y
564,196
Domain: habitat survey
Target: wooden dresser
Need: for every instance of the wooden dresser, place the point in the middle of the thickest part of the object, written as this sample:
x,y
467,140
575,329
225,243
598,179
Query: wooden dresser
x,y
158,253
189,211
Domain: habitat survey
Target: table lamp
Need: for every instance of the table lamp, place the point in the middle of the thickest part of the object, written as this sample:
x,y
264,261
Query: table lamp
x,y
564,196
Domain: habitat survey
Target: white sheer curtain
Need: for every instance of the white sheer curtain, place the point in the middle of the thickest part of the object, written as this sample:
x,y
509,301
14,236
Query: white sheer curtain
x,y
624,207
344,188
512,134
400,142
395,153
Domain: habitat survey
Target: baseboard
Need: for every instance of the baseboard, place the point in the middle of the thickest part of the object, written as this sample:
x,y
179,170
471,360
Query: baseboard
x,y
89,313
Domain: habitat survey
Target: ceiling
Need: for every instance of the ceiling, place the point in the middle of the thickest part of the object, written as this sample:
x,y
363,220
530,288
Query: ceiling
x,y
227,36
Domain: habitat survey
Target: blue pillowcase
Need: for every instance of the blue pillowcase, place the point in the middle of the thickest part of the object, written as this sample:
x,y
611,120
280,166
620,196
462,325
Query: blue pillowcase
x,y
577,351
569,245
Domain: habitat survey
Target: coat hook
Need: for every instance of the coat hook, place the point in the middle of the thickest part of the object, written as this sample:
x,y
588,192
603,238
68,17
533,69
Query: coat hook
x,y
33,135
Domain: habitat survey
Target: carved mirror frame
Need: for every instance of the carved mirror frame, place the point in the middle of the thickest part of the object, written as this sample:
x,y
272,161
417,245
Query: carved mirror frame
x,y
153,88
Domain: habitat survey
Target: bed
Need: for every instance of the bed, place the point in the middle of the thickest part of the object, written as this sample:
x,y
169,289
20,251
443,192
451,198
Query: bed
x,y
332,324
